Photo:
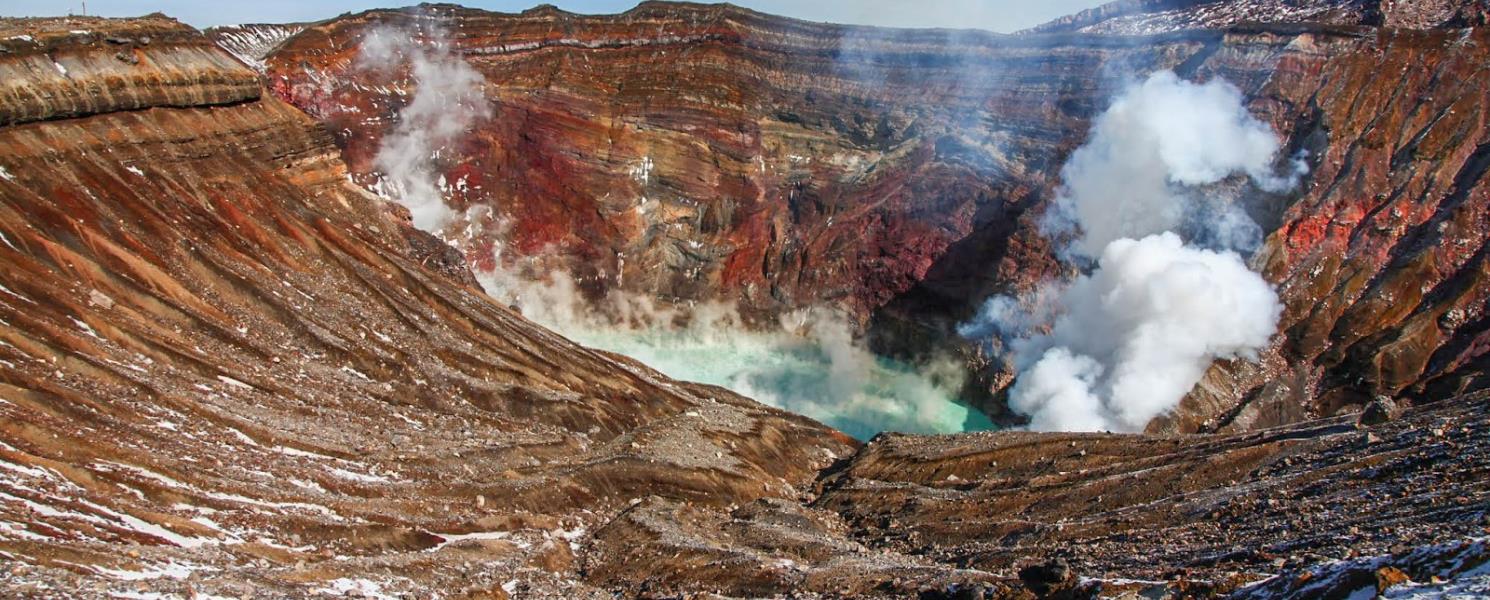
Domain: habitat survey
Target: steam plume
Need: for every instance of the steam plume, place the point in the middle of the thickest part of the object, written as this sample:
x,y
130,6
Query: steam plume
x,y
810,364
448,100
1129,340
1158,141
1139,332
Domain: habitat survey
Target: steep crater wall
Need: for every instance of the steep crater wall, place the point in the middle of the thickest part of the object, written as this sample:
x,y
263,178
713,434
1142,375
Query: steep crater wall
x,y
691,152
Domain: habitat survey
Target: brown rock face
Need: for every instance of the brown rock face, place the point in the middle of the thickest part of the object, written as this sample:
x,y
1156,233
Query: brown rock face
x,y
100,66
1381,261
218,357
695,152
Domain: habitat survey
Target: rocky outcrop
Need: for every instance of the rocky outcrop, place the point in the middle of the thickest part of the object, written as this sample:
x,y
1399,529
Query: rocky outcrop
x,y
1379,260
83,66
224,369
695,152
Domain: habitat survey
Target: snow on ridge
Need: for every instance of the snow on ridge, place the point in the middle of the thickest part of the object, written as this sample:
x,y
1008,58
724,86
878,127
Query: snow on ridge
x,y
1221,14
253,43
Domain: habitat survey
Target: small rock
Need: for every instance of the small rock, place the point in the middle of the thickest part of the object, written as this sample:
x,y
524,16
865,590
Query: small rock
x,y
97,298
1050,577
1381,410
1389,577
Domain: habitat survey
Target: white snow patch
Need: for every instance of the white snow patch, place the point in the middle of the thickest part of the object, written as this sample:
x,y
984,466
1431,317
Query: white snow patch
x,y
234,382
86,329
301,453
355,373
456,538
151,529
364,588
345,474
171,570
642,172
18,530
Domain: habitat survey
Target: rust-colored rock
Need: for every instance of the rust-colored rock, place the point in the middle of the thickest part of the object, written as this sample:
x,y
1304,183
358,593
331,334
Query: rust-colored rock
x,y
1390,577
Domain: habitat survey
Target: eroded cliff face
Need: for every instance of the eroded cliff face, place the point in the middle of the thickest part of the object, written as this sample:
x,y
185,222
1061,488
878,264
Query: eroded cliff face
x,y
222,362
700,152
695,152
1381,259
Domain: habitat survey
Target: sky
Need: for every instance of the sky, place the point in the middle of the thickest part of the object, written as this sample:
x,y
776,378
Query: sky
x,y
993,15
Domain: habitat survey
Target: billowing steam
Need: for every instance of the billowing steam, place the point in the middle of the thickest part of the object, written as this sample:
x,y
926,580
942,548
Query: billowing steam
x,y
810,364
1139,332
1129,340
448,100
1160,139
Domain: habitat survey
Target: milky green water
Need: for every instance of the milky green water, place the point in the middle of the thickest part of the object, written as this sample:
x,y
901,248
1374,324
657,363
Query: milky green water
x,y
842,386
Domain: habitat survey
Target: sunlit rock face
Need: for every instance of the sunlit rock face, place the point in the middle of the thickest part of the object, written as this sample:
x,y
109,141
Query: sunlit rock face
x,y
692,152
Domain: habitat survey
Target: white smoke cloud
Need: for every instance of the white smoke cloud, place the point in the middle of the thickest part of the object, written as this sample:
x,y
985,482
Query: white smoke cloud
x,y
1128,341
1160,139
448,101
1139,332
